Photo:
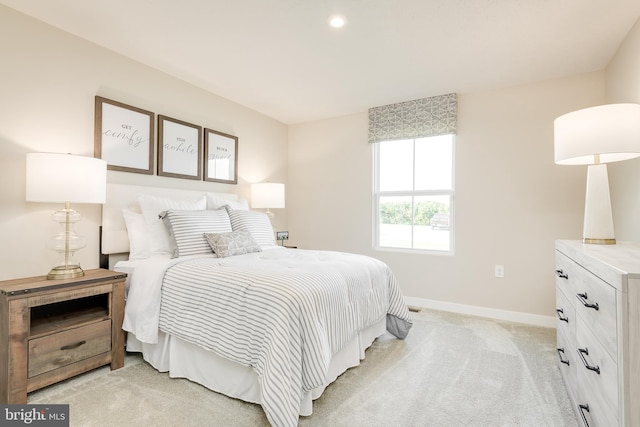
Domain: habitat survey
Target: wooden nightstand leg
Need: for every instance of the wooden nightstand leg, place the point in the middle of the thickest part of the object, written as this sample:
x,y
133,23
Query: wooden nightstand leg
x,y
14,390
117,334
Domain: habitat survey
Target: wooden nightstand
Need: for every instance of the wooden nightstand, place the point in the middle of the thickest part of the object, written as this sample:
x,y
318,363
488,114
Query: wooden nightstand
x,y
51,330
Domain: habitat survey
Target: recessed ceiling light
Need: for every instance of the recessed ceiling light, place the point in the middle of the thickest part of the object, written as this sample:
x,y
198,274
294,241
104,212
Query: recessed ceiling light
x,y
337,21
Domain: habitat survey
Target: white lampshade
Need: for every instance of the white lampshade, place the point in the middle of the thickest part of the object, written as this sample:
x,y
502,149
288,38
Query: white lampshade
x,y
267,195
60,178
610,132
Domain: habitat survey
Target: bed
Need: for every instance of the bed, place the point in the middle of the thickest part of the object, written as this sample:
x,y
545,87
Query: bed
x,y
212,298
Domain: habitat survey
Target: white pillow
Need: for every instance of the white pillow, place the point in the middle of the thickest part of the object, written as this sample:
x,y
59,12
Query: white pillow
x,y
187,229
137,231
257,223
152,207
214,201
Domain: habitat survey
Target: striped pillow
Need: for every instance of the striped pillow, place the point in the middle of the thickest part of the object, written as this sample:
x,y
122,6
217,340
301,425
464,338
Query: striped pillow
x,y
152,206
187,228
257,223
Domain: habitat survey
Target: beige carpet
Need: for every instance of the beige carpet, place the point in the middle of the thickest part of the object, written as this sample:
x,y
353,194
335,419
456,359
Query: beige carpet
x,y
452,370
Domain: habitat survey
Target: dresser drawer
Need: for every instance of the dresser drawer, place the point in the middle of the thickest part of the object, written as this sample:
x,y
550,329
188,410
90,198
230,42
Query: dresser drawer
x,y
591,410
598,382
595,303
566,315
564,274
64,348
568,362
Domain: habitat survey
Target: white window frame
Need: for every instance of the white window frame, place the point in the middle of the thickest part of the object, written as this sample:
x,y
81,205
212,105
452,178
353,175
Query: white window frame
x,y
377,194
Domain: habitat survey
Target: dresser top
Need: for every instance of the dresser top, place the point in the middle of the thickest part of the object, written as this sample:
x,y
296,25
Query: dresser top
x,y
612,263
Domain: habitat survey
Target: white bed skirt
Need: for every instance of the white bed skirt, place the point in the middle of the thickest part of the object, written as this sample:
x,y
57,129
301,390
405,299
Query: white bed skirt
x,y
185,360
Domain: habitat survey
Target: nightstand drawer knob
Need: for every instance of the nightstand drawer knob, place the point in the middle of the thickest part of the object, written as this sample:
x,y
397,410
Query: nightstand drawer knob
x,y
583,299
561,274
72,346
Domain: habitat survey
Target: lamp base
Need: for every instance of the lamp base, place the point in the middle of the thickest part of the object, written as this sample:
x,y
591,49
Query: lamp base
x,y
598,219
66,243
599,241
65,272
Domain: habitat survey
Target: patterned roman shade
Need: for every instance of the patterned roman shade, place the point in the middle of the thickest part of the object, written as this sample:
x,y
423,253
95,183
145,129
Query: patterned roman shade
x,y
414,119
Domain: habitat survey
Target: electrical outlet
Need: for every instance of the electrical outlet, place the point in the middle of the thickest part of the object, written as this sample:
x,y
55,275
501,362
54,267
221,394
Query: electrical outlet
x,y
499,270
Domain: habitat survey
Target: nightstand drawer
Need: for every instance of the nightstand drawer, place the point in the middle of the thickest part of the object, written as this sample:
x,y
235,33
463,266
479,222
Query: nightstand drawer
x,y
64,348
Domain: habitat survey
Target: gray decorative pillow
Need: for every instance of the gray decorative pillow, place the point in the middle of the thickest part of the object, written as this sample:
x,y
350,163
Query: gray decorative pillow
x,y
234,243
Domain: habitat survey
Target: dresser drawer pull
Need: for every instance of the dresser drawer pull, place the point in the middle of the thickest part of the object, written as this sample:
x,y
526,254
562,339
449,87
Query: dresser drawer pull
x,y
561,274
72,346
562,318
560,354
583,299
585,352
581,409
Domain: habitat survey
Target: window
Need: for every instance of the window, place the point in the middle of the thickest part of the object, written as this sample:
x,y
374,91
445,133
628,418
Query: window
x,y
414,194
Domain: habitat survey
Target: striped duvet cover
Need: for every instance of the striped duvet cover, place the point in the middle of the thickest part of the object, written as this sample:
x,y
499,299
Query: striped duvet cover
x,y
283,312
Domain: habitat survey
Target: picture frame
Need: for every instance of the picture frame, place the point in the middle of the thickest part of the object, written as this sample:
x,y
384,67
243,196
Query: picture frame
x,y
123,136
220,157
179,148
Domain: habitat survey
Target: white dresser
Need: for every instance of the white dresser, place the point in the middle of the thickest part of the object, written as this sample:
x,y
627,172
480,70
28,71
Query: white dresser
x,y
598,330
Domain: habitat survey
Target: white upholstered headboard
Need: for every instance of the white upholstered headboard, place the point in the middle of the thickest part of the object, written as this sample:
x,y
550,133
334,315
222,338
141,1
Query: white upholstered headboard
x,y
115,239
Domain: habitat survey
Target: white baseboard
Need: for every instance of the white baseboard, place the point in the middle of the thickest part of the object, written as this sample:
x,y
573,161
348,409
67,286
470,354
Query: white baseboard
x,y
493,313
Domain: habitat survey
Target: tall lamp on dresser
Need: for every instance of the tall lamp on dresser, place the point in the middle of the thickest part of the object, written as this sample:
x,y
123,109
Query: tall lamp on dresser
x,y
596,136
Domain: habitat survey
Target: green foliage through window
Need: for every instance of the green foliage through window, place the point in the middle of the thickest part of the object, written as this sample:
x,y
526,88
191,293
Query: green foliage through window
x,y
399,213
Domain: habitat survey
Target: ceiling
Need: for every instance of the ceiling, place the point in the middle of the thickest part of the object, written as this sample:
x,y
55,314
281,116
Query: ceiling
x,y
280,57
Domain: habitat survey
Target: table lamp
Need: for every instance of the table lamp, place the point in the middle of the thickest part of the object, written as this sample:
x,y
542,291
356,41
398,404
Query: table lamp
x,y
596,136
267,195
65,178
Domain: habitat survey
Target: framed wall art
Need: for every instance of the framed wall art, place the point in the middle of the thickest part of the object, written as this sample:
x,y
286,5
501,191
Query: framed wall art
x,y
179,149
123,136
220,157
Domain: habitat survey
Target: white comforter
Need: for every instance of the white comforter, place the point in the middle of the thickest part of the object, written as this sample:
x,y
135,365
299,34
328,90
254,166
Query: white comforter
x,y
283,312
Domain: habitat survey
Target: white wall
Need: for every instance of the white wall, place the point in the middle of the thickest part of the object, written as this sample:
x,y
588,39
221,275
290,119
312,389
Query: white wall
x,y
623,85
48,81
512,201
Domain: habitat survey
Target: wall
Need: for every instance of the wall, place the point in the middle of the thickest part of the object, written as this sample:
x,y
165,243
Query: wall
x,y
511,203
48,81
623,85
511,200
